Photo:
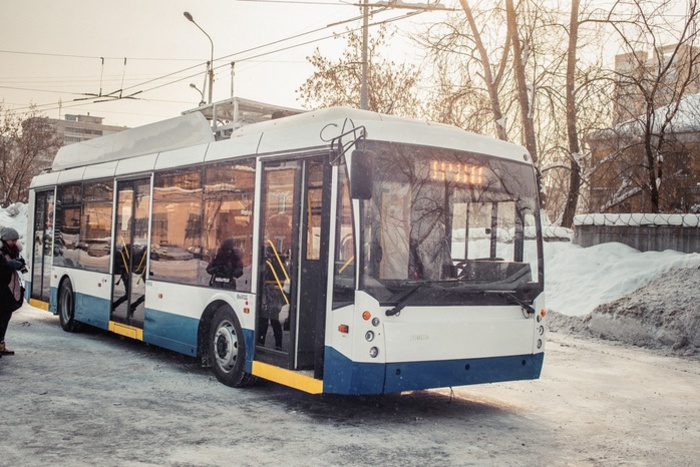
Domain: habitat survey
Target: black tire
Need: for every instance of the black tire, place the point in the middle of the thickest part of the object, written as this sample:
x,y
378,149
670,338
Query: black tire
x,y
227,349
66,307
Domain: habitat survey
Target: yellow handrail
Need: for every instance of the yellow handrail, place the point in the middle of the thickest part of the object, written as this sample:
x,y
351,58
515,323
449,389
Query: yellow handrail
x,y
277,279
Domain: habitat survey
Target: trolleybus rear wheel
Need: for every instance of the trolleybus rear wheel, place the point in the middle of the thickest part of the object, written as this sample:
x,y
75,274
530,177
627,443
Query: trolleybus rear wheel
x,y
227,349
66,307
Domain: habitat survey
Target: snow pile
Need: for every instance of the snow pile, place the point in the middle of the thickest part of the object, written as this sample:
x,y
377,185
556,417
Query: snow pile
x,y
15,215
613,291
577,279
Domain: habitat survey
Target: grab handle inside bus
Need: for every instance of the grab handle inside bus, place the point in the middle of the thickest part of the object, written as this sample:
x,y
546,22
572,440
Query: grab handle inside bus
x,y
361,175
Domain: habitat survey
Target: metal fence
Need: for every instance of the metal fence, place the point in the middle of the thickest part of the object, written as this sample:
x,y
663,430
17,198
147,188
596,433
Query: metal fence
x,y
644,231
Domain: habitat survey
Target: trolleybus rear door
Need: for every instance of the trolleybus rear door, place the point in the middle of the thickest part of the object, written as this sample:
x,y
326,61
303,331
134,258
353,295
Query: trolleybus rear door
x,y
293,263
130,252
43,245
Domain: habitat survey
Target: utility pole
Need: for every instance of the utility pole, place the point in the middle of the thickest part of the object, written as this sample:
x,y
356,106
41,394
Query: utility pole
x,y
365,25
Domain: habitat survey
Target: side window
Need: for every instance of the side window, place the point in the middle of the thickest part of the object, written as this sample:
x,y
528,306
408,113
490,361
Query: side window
x,y
96,225
67,243
227,228
344,268
176,226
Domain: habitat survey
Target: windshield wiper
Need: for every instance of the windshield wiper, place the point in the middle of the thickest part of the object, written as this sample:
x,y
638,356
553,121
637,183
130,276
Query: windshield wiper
x,y
402,302
516,301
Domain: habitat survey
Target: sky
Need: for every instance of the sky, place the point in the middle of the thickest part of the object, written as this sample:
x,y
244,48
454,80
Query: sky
x,y
52,51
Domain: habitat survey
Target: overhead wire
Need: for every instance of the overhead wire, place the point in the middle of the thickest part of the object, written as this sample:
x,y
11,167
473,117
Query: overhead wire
x,y
405,15
110,97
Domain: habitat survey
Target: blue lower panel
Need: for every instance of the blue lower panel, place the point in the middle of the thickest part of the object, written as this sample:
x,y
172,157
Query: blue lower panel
x,y
92,310
174,332
249,339
27,290
53,300
424,375
343,376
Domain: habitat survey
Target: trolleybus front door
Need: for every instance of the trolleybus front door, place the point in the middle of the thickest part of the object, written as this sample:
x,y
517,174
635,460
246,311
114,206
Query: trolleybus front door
x,y
130,252
294,259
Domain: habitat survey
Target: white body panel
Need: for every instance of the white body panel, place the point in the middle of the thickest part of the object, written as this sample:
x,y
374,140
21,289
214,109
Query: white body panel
x,y
190,301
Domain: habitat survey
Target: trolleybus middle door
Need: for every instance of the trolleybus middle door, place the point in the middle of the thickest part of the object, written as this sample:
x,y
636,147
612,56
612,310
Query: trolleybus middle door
x,y
130,252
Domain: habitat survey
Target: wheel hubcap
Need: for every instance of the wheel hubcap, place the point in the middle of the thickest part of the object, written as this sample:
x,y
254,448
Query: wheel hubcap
x,y
226,346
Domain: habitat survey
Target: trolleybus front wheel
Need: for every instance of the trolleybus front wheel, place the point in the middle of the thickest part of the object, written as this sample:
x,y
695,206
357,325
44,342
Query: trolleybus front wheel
x,y
66,307
227,349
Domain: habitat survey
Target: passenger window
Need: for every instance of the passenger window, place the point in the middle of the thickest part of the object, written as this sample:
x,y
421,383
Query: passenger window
x,y
96,225
227,229
176,227
67,243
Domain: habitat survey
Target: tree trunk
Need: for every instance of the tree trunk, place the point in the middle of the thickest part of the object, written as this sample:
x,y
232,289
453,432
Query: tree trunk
x,y
491,85
572,132
523,98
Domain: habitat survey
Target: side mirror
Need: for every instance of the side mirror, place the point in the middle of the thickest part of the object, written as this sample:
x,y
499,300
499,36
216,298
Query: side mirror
x,y
361,175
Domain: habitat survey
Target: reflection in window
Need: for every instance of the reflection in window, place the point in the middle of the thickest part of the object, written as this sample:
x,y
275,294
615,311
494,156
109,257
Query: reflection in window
x,y
228,222
314,199
96,225
68,226
439,215
344,270
175,238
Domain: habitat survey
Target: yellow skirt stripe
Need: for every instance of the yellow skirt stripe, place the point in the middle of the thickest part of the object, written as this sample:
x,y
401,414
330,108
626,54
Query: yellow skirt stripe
x,y
288,378
39,304
126,330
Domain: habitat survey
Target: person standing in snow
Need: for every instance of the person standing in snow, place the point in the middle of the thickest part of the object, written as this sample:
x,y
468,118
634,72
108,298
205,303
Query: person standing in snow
x,y
11,290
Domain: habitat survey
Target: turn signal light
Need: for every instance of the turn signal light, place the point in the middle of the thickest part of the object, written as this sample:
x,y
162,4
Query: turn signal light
x,y
543,312
344,328
366,315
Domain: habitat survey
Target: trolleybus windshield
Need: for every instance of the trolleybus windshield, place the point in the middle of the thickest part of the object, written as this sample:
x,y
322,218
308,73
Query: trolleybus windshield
x,y
451,222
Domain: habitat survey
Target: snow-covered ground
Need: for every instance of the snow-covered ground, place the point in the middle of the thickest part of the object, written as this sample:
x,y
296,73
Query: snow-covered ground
x,y
577,280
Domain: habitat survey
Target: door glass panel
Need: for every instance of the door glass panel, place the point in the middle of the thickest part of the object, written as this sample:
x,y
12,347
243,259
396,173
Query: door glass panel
x,y
43,244
344,270
281,182
313,211
130,247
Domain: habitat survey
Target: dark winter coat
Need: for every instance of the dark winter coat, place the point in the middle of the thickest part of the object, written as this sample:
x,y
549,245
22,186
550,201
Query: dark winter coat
x,y
11,290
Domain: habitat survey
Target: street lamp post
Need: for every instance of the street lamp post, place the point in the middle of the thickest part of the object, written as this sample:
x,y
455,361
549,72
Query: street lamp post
x,y
211,60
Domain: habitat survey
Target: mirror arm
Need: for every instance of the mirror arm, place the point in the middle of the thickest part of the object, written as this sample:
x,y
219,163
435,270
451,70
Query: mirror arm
x,y
344,148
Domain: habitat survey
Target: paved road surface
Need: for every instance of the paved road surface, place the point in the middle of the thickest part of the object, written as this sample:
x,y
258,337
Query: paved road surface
x,y
94,398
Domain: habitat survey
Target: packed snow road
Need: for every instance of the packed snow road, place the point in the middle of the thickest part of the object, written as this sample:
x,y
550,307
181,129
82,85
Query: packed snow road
x,y
94,398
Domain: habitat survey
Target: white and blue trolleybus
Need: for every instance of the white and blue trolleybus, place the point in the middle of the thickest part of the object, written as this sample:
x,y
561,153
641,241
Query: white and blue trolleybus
x,y
332,251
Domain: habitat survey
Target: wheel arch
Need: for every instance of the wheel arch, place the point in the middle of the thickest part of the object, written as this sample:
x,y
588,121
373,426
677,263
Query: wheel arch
x,y
203,330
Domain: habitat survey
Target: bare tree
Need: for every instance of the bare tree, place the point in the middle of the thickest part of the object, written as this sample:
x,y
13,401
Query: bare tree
x,y
491,81
654,78
571,121
28,143
391,86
